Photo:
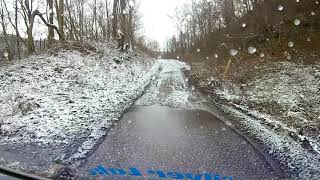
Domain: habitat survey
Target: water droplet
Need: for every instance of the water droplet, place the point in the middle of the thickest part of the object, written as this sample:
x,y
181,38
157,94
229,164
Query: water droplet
x,y
201,127
262,55
309,39
193,88
216,56
297,1
198,50
228,123
207,58
252,50
233,52
129,121
297,22
131,3
178,57
189,17
244,25
290,44
288,56
280,8
6,54
313,13
223,129
317,2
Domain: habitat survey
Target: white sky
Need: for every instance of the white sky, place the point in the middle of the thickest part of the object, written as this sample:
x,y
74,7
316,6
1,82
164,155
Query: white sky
x,y
156,21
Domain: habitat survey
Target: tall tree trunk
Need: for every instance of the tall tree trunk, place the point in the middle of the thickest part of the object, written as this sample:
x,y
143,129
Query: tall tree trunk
x,y
30,40
17,31
115,18
108,21
50,29
61,19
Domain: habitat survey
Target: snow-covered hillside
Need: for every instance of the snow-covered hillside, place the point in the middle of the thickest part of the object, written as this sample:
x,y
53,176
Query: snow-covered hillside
x,y
281,108
69,100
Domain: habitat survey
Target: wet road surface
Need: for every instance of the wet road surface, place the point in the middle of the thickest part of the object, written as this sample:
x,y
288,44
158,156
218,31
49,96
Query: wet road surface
x,y
184,141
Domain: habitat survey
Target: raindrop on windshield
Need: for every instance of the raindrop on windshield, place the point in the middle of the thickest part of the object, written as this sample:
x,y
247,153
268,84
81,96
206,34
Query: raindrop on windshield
x,y
198,50
280,8
289,56
290,44
262,55
228,123
153,78
252,50
6,54
297,22
131,3
244,25
233,52
189,17
216,56
313,13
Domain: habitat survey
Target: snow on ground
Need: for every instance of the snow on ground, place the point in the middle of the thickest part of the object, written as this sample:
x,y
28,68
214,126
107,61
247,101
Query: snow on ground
x,y
282,108
171,87
69,98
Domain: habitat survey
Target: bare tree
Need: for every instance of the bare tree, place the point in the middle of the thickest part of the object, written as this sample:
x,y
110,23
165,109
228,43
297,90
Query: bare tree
x,y
60,17
51,18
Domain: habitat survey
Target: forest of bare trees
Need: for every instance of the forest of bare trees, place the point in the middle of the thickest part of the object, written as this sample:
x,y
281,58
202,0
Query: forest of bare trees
x,y
75,20
215,25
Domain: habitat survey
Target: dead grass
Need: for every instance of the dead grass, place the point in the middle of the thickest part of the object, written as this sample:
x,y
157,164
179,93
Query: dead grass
x,y
82,47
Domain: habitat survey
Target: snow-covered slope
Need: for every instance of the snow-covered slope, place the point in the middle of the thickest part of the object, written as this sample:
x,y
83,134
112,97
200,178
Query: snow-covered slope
x,y
282,109
68,101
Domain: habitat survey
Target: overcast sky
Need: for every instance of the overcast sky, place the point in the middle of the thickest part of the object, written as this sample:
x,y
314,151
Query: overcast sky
x,y
157,23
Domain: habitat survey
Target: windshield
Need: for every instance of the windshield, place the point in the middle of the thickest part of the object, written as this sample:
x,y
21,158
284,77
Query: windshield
x,y
146,89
